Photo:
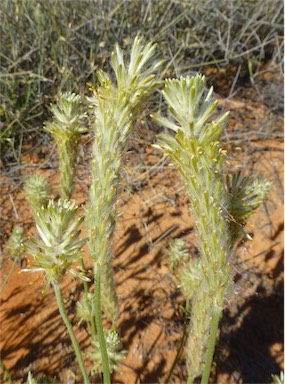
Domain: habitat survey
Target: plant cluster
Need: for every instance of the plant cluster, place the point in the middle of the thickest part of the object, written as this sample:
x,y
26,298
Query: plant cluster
x,y
195,150
192,141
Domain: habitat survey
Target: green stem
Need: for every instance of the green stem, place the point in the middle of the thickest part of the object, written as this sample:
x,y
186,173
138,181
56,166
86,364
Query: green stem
x,y
190,380
181,345
7,375
75,344
9,274
100,332
211,346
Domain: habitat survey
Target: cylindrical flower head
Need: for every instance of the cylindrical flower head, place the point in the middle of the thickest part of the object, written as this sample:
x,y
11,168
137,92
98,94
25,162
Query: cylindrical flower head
x,y
66,130
16,242
194,148
66,115
219,213
116,107
37,191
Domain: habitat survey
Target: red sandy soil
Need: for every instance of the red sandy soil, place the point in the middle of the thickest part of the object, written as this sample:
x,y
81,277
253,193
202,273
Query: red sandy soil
x,y
155,210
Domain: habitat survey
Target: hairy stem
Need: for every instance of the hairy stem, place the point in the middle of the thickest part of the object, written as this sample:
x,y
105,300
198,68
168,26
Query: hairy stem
x,y
100,332
8,276
211,346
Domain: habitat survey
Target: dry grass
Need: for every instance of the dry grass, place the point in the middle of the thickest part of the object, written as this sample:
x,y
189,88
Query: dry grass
x,y
52,46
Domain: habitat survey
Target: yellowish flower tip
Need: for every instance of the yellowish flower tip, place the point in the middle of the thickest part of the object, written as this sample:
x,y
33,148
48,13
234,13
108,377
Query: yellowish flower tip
x,y
31,282
223,151
238,148
91,87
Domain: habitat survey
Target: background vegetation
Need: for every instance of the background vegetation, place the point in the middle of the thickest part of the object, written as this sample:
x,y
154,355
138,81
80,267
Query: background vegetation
x,y
51,46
